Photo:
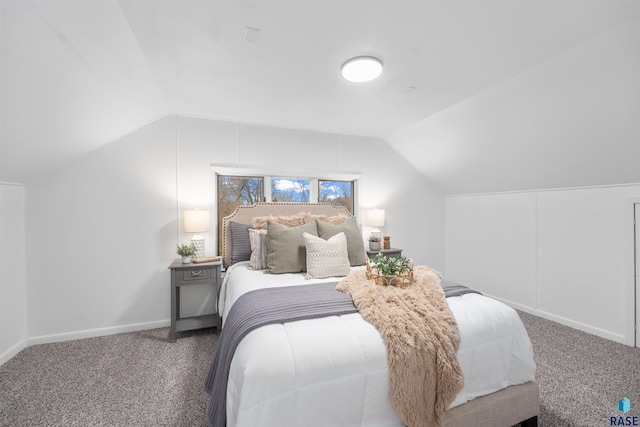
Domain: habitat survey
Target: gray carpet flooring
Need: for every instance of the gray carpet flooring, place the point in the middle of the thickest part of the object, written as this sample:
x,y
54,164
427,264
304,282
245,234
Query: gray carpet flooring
x,y
581,376
130,379
141,379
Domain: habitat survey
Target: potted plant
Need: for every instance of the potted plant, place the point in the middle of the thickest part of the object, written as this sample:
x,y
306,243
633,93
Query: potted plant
x,y
186,252
374,243
390,271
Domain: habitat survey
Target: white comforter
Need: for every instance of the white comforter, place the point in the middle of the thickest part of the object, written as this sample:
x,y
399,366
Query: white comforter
x,y
333,371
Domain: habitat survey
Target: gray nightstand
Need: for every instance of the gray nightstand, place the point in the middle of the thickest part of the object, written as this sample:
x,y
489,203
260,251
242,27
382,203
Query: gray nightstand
x,y
385,252
206,273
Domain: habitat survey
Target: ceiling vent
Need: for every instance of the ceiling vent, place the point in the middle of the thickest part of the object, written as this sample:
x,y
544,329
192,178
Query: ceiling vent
x,y
251,34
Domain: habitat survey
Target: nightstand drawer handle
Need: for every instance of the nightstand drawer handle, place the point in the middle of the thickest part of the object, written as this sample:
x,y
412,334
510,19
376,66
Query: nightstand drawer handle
x,y
195,273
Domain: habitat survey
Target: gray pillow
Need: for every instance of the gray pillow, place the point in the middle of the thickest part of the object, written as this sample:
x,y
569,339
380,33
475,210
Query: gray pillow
x,y
286,252
240,245
351,229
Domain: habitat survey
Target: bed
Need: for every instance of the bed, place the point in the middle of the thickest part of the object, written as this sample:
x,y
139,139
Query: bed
x,y
332,371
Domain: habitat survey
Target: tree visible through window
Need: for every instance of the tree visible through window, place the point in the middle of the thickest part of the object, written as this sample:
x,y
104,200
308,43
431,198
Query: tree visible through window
x,y
339,193
234,191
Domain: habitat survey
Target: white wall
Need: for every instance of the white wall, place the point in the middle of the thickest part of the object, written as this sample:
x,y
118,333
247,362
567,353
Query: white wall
x,y
566,255
569,122
13,292
102,231
100,235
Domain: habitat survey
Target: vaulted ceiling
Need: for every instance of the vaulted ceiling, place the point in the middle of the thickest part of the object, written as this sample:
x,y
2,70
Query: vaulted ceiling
x,y
78,74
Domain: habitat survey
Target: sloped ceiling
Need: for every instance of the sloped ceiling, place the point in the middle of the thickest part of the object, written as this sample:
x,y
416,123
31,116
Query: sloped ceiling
x,y
78,74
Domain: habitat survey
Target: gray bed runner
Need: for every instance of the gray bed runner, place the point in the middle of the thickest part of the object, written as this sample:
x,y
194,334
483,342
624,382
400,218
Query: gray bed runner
x,y
268,306
455,290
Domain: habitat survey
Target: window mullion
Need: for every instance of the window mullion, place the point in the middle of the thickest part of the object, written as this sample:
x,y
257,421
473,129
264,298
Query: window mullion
x,y
267,188
313,190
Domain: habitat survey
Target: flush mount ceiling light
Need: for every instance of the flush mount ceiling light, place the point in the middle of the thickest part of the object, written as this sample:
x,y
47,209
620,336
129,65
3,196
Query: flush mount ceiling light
x,y
362,69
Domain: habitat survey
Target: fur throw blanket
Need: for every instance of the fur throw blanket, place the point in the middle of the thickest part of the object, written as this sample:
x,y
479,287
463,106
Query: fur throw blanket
x,y
260,222
421,337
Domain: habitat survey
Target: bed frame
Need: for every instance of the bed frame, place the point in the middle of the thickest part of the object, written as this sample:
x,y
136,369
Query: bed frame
x,y
516,404
511,406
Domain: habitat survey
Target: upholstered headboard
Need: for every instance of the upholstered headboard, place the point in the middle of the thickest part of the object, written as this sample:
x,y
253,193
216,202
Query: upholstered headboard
x,y
245,215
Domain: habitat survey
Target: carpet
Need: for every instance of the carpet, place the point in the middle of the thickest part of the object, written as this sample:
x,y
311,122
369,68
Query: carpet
x,y
581,376
130,379
142,379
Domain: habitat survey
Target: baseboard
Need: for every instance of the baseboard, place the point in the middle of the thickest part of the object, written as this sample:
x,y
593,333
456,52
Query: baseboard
x,y
15,349
99,332
593,330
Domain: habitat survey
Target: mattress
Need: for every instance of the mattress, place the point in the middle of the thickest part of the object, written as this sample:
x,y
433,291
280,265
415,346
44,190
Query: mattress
x,y
333,370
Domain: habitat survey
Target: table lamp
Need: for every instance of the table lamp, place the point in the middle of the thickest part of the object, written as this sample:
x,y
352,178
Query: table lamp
x,y
197,221
374,218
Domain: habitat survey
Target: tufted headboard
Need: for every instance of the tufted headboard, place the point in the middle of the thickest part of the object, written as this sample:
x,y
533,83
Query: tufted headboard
x,y
245,215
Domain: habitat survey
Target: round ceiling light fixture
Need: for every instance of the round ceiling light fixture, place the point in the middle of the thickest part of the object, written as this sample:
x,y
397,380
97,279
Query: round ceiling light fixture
x,y
362,69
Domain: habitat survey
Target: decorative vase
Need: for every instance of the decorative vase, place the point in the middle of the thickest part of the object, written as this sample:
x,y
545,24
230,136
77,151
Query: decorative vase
x,y
186,260
387,242
374,246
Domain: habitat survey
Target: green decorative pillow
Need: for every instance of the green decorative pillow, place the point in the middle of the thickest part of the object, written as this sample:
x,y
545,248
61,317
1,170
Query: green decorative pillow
x,y
286,252
355,245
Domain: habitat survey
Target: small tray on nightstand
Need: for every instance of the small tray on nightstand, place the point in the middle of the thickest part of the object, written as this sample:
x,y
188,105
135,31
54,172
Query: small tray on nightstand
x,y
205,259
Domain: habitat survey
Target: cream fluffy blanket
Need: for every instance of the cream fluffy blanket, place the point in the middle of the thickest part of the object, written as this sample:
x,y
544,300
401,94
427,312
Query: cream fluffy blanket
x,y
421,337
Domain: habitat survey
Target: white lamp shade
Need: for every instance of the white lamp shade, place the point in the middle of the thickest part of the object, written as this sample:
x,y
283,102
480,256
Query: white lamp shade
x,y
374,217
196,221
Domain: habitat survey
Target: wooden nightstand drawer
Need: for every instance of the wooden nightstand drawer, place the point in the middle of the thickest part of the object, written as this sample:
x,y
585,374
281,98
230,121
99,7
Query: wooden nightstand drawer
x,y
194,275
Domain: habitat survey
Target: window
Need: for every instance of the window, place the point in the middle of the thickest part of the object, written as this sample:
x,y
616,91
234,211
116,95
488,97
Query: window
x,y
289,190
234,191
339,193
238,186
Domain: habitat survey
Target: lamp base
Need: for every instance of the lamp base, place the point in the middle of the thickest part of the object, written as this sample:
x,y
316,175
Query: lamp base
x,y
198,243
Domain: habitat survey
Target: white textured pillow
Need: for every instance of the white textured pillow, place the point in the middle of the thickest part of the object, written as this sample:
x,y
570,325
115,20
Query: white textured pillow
x,y
326,258
258,242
